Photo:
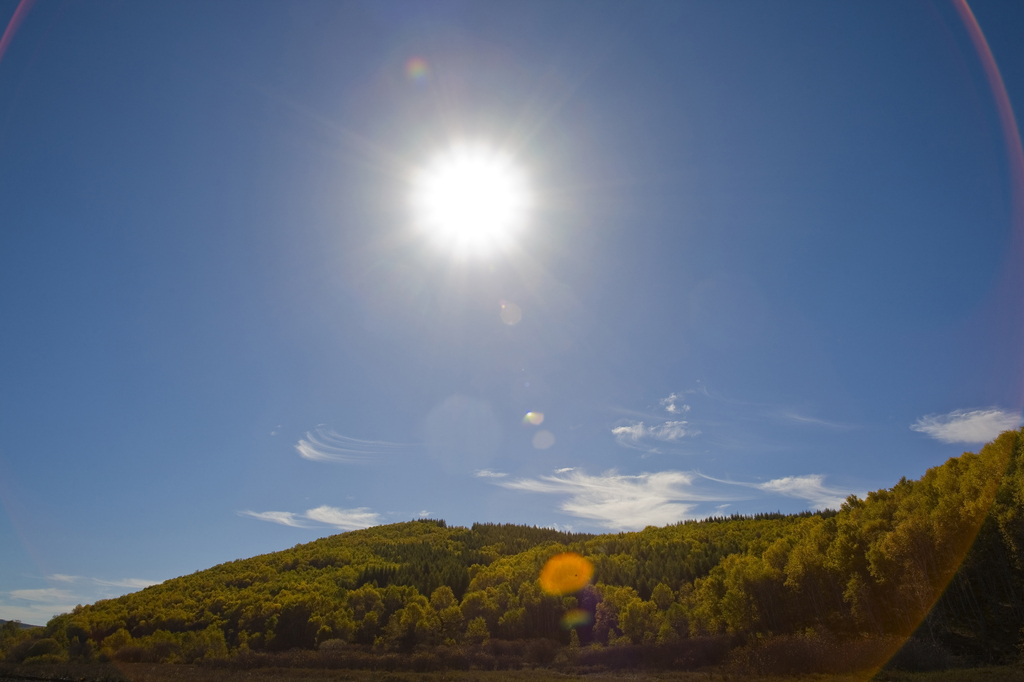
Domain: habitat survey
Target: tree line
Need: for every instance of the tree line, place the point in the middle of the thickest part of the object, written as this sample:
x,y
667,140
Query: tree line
x,y
940,558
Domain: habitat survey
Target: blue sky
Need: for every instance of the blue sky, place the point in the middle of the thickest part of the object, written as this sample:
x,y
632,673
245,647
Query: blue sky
x,y
772,258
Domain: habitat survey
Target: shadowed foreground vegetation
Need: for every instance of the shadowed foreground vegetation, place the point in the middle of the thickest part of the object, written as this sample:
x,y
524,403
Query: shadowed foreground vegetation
x,y
155,672
938,560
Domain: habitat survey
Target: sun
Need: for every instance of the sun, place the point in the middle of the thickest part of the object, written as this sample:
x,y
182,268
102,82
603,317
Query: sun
x,y
471,199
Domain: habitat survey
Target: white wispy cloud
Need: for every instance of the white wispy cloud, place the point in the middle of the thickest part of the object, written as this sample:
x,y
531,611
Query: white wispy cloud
x,y
130,583
61,578
284,518
33,613
804,419
326,445
672,431
345,519
620,502
37,605
811,488
46,595
967,426
487,473
633,434
671,406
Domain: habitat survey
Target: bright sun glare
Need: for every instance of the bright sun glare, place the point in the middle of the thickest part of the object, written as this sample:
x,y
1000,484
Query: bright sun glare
x,y
471,199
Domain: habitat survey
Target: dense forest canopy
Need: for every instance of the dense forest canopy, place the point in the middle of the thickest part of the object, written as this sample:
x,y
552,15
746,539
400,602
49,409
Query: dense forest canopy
x,y
942,556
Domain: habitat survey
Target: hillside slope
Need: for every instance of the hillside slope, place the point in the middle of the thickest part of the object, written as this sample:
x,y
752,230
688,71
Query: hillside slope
x,y
880,567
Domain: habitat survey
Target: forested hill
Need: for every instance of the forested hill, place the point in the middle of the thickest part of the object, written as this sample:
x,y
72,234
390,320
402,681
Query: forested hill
x,y
878,567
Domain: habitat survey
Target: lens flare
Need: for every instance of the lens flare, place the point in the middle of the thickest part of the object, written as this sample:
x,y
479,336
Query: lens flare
x,y
511,313
417,70
533,418
542,440
576,618
565,573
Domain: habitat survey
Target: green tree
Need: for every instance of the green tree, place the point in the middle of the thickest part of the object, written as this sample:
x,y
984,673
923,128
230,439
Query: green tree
x,y
476,631
662,596
640,621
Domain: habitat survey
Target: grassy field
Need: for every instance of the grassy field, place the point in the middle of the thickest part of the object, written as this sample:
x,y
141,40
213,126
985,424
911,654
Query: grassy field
x,y
141,672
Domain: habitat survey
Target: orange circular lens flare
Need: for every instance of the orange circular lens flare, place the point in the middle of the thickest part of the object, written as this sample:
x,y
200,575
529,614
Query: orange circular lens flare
x,y
565,573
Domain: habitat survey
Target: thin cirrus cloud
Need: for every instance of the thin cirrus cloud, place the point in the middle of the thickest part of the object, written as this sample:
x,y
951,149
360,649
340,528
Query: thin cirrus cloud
x,y
38,605
487,473
130,583
634,434
811,488
284,518
45,594
804,419
967,426
327,445
620,502
344,519
62,578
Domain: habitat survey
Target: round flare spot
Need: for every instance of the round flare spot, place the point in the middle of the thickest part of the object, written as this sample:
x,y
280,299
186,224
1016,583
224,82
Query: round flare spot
x,y
417,70
511,313
542,440
534,418
576,618
565,573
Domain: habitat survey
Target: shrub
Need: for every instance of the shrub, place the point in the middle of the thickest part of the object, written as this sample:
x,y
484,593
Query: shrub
x,y
541,651
333,645
918,655
44,647
46,658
